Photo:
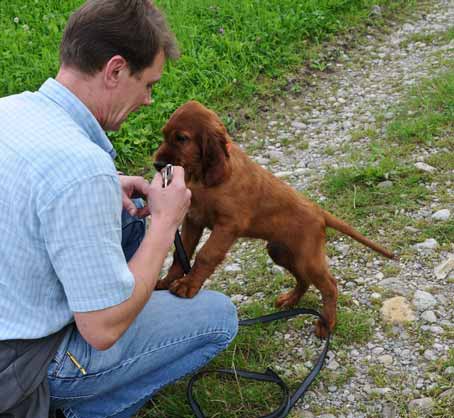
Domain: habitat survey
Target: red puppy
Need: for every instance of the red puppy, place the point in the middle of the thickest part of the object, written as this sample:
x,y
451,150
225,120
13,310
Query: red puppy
x,y
235,197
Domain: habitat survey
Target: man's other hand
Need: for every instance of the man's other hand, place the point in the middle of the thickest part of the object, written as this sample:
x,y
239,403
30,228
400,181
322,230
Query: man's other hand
x,y
134,187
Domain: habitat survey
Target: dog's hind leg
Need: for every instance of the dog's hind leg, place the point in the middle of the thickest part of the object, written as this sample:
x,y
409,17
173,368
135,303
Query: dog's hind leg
x,y
190,236
282,256
314,267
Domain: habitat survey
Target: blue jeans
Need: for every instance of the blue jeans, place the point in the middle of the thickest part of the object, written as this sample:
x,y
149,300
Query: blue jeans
x,y
170,338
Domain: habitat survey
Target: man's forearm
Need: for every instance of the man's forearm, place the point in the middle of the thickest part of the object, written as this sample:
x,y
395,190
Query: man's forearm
x,y
102,328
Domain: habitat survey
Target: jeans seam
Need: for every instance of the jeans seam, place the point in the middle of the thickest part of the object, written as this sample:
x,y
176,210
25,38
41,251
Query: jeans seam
x,y
141,355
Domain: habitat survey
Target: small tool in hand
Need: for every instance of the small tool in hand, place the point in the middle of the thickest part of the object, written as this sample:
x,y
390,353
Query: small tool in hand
x,y
167,175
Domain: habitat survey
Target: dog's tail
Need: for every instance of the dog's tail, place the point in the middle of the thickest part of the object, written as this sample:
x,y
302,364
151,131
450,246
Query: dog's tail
x,y
345,228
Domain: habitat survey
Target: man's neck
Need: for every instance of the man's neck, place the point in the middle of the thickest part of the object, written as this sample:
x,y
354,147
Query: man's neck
x,y
87,88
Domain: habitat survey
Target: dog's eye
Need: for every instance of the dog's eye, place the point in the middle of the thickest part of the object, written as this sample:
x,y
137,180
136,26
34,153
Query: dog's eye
x,y
181,137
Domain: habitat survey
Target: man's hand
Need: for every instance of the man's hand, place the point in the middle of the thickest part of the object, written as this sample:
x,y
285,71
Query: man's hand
x,y
133,187
169,205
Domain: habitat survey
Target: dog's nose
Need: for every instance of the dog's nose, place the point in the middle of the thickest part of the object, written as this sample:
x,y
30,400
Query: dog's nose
x,y
159,165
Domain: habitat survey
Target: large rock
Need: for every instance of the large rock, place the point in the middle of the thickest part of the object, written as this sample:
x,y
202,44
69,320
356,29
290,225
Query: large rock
x,y
397,310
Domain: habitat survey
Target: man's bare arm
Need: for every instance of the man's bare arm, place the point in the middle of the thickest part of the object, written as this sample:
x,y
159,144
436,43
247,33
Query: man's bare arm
x,y
103,328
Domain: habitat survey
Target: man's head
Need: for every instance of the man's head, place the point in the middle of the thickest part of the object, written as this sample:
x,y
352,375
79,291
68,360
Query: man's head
x,y
112,53
101,29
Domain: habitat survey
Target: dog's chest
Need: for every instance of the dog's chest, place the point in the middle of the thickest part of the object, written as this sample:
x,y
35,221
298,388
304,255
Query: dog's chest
x,y
202,211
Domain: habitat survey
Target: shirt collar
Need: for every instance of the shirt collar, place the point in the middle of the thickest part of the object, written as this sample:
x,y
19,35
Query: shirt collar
x,y
78,112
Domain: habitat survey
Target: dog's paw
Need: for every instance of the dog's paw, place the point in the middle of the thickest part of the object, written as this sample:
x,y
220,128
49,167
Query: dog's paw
x,y
288,300
162,285
320,329
184,288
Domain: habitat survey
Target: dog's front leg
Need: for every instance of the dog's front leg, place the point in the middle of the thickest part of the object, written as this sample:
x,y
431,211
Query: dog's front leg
x,y
206,261
190,235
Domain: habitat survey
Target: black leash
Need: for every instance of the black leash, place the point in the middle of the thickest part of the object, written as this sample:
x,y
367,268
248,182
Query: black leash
x,y
288,400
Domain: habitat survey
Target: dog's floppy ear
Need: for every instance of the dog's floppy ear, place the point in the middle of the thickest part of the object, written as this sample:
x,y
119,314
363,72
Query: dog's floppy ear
x,y
215,165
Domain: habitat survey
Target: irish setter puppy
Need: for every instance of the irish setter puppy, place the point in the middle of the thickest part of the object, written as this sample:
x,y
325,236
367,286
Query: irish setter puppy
x,y
236,197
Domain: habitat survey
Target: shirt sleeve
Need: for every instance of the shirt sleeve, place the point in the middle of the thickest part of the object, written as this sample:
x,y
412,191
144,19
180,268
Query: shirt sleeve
x,y
82,234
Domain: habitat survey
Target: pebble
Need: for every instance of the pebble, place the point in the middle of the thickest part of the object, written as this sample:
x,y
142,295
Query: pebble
x,y
429,244
233,268
386,360
447,266
425,167
421,405
447,394
429,316
442,215
430,355
423,300
385,184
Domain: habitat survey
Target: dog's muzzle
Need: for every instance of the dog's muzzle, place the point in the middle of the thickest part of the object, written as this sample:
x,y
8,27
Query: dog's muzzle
x,y
159,165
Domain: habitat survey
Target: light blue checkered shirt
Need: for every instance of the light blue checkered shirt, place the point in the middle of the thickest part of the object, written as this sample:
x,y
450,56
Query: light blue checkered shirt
x,y
60,214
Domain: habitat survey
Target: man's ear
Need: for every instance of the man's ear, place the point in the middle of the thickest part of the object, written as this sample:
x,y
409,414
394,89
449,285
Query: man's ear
x,y
116,68
215,157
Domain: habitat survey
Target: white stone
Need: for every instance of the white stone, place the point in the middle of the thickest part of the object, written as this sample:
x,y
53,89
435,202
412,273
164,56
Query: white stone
x,y
435,329
385,184
444,268
282,174
386,360
425,167
380,391
333,365
429,316
430,355
423,404
423,300
441,215
447,394
377,351
299,125
232,268
429,244
236,298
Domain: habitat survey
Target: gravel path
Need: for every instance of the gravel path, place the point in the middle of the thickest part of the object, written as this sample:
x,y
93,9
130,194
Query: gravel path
x,y
365,82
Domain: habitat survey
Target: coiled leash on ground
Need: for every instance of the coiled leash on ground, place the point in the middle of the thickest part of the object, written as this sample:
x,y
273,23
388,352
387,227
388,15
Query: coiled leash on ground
x,y
288,400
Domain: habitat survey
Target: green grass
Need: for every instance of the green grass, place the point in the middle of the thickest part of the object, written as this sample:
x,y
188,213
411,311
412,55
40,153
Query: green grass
x,y
428,115
424,121
231,53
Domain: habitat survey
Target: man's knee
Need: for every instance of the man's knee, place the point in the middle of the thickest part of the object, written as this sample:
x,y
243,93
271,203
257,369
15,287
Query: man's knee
x,y
168,318
219,311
